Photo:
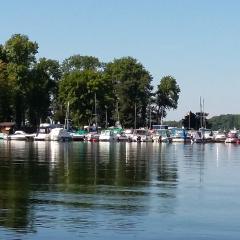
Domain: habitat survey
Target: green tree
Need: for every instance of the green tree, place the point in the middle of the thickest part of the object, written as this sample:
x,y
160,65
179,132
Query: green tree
x,y
79,89
20,56
167,96
132,89
82,79
80,63
6,100
43,83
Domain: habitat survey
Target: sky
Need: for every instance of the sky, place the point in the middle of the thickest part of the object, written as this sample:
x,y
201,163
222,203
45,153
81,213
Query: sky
x,y
197,42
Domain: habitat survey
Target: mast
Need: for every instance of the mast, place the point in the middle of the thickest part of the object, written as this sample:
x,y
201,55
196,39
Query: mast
x,y
117,112
150,118
95,110
201,112
66,123
135,116
204,120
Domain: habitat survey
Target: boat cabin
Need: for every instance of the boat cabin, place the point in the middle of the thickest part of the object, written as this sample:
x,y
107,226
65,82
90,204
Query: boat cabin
x,y
7,127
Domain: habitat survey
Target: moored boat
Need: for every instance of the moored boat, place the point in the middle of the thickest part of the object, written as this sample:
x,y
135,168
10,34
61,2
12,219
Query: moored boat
x,y
162,135
20,136
107,135
180,135
220,137
232,137
141,135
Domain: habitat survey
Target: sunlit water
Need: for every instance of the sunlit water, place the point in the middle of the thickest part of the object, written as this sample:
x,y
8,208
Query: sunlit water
x,y
119,191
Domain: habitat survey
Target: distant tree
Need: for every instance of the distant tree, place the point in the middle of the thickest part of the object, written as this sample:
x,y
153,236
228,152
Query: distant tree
x,y
167,96
132,89
191,121
225,122
195,121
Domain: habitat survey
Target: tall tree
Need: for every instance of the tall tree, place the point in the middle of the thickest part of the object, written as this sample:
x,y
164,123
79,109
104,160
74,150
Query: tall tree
x,y
167,96
79,89
43,83
6,99
80,63
82,79
20,56
132,88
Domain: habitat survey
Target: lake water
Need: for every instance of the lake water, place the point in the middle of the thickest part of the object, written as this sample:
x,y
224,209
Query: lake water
x,y
78,190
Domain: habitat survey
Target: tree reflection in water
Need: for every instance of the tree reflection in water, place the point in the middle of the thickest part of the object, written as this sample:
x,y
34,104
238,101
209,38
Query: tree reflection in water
x,y
118,177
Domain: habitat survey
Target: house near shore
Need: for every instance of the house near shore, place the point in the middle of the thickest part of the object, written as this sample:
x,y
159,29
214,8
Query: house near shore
x,y
7,127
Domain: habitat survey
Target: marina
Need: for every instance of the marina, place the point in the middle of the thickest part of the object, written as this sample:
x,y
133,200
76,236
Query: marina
x,y
70,190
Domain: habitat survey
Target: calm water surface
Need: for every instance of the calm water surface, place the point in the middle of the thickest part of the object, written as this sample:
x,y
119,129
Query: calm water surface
x,y
119,191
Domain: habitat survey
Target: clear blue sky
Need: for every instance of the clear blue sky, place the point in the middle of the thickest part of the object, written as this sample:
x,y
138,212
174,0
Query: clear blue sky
x,y
197,42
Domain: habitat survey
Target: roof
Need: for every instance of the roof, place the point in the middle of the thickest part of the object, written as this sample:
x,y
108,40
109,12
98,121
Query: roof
x,y
7,124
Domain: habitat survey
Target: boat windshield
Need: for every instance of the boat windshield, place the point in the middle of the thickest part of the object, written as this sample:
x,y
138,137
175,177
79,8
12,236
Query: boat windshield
x,y
163,132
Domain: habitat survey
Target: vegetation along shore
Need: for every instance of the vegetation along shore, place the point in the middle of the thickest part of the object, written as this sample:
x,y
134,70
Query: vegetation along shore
x,y
31,90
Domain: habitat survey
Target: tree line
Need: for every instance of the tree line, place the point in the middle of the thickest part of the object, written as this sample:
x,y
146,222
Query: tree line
x,y
32,90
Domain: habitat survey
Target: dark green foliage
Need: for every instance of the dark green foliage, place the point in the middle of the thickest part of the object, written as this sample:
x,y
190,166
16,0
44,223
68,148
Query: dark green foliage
x,y
132,87
196,121
166,96
80,63
225,122
32,90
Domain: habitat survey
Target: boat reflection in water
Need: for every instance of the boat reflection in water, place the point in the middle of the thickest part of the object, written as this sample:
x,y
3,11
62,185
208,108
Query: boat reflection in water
x,y
77,190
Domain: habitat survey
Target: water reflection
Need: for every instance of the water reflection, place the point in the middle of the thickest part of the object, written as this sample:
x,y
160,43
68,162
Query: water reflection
x,y
45,181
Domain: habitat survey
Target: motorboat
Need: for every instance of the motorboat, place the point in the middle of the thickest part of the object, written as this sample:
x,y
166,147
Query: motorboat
x,y
59,134
92,137
180,135
220,137
162,135
207,134
79,135
107,135
52,132
43,132
232,137
122,137
197,137
141,135
19,135
129,133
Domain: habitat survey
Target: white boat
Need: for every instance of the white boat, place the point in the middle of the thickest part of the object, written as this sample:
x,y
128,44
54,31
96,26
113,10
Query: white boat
x,y
77,136
220,137
59,134
207,134
180,135
122,137
162,135
141,135
52,132
197,137
129,133
19,135
107,135
92,137
43,132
